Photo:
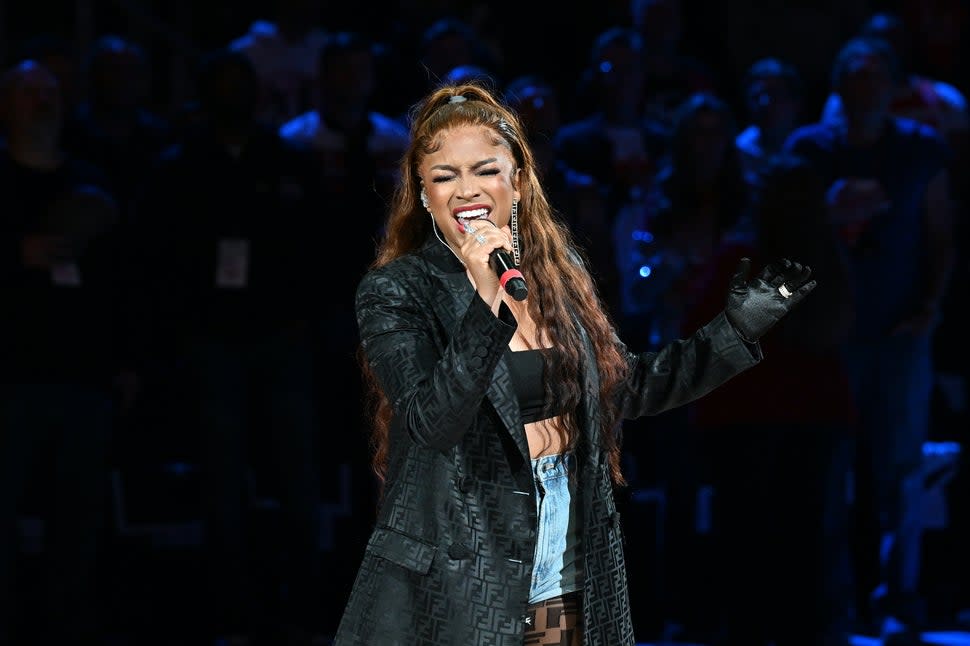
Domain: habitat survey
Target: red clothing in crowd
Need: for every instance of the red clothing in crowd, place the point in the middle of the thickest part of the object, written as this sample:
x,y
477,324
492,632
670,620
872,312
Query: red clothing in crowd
x,y
793,384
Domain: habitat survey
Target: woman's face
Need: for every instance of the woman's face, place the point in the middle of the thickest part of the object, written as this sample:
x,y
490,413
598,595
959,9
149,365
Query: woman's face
x,y
468,179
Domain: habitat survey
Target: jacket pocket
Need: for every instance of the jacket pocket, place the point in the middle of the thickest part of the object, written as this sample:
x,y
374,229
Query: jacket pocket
x,y
404,550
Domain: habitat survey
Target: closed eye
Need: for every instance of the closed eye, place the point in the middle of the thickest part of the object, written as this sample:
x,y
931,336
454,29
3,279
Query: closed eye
x,y
445,178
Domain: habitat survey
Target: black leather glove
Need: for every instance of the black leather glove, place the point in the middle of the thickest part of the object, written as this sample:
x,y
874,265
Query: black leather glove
x,y
753,306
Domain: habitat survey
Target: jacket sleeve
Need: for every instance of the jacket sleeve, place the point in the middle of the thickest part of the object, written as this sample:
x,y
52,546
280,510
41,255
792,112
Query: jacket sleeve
x,y
686,369
435,390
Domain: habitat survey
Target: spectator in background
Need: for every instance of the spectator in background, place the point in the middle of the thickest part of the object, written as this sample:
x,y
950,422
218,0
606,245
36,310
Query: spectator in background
x,y
780,474
939,49
930,101
698,198
942,106
671,75
451,42
772,96
228,216
357,150
664,239
284,51
889,196
612,141
59,56
114,127
446,43
62,356
804,34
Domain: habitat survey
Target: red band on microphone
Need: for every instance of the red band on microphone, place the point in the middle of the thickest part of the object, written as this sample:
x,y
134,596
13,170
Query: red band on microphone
x,y
509,275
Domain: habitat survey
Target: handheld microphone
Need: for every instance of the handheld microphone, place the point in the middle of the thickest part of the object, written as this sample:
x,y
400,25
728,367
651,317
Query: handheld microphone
x,y
508,275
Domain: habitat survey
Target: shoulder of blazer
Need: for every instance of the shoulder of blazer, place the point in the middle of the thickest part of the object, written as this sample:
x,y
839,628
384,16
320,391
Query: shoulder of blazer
x,y
414,270
433,258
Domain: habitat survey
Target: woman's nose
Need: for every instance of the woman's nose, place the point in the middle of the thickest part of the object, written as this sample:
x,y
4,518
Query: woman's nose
x,y
468,188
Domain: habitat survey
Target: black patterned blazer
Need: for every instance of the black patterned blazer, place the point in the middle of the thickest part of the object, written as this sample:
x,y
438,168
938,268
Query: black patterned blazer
x,y
450,557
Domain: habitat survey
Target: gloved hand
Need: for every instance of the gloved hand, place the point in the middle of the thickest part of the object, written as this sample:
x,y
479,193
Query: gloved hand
x,y
754,306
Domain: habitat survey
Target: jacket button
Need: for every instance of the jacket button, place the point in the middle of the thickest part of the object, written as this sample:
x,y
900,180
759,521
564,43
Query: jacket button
x,y
459,551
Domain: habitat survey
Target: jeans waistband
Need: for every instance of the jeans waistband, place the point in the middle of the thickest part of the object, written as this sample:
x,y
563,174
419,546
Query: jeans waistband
x,y
556,465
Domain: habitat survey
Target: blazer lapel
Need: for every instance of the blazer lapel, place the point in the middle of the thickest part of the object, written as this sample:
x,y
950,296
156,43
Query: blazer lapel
x,y
448,311
506,404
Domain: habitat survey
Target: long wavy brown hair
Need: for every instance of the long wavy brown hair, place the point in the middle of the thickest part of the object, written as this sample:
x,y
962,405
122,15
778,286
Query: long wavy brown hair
x,y
563,302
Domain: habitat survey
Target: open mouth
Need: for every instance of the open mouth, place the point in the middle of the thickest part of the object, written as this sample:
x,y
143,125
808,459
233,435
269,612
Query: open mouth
x,y
464,217
472,214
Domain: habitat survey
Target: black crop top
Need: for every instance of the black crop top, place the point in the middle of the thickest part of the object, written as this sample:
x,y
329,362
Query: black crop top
x,y
525,368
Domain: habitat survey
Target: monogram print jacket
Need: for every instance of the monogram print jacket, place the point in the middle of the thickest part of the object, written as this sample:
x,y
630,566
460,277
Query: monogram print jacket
x,y
449,560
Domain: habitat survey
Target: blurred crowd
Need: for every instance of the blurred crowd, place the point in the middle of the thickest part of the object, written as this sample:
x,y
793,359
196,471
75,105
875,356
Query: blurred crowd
x,y
177,281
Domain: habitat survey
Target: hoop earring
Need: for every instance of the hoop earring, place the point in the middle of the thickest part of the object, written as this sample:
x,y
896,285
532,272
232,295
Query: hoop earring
x,y
514,225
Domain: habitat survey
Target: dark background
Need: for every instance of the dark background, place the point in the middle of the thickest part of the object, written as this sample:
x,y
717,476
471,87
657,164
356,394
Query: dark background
x,y
150,585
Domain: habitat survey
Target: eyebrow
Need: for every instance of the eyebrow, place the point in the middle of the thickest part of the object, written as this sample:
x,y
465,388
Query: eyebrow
x,y
490,160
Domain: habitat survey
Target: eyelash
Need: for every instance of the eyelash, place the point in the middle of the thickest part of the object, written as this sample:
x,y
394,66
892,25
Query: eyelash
x,y
490,171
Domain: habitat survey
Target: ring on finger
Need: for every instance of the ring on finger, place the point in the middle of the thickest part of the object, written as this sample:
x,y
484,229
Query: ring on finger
x,y
479,238
784,291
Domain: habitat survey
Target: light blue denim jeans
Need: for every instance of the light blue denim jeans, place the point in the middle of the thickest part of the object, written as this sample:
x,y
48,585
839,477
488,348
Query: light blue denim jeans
x,y
558,563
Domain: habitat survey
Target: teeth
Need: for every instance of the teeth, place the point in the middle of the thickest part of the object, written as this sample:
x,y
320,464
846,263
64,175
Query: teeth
x,y
471,215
